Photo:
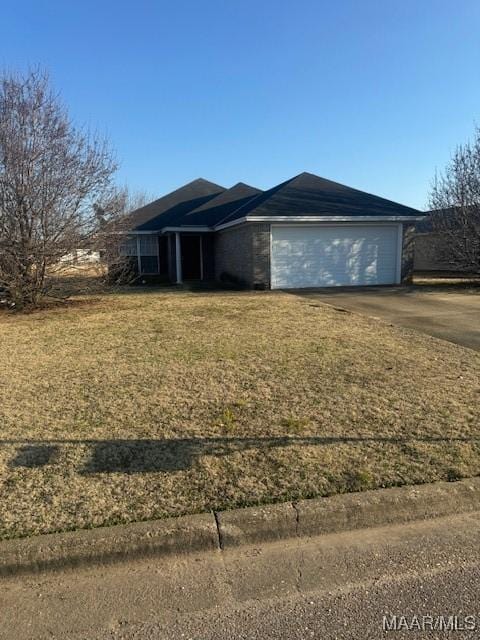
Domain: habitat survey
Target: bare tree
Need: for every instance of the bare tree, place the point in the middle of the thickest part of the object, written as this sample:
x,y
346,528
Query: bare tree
x,y
455,200
51,175
112,239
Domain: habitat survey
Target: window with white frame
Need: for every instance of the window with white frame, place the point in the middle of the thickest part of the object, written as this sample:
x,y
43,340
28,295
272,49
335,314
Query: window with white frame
x,y
148,245
129,246
145,246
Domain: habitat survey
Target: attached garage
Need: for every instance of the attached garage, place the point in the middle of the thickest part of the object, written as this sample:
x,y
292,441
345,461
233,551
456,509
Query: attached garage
x,y
335,255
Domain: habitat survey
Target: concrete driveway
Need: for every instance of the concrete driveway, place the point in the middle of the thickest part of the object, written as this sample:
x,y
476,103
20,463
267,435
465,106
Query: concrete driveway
x,y
452,314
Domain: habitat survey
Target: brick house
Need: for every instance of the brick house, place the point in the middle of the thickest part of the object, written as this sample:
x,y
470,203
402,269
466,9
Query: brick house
x,y
305,232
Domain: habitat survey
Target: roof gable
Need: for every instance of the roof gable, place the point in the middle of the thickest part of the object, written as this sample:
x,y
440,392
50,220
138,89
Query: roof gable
x,y
215,210
171,208
310,195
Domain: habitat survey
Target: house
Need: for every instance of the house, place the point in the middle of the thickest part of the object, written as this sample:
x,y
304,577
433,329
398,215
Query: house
x,y
439,247
430,248
305,232
81,257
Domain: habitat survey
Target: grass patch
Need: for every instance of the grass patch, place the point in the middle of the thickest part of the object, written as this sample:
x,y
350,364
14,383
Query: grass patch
x,y
294,425
148,403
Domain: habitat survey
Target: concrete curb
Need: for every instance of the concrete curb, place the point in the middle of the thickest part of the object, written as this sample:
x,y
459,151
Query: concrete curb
x,y
229,529
109,544
347,512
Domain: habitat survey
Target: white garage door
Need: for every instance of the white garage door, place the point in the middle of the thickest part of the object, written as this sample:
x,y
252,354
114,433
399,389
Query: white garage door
x,y
334,256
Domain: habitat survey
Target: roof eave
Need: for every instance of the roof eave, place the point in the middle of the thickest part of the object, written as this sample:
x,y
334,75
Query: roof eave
x,y
192,227
319,219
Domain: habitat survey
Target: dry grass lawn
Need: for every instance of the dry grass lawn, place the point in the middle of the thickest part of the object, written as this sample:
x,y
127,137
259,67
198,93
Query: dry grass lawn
x,y
150,403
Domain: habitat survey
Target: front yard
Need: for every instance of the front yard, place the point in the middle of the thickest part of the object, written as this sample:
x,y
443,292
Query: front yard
x,y
145,404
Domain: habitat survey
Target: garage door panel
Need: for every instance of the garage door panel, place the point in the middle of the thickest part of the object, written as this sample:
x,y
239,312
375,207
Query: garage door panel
x,y
333,256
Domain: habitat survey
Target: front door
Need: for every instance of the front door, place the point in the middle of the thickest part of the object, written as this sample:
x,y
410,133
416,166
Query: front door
x,y
191,257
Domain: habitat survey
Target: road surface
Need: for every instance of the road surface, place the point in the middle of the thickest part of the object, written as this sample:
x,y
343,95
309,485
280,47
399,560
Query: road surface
x,y
334,586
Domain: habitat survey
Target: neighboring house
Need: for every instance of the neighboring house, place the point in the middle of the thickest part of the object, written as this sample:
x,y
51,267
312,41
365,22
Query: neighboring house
x,y
305,232
432,249
81,257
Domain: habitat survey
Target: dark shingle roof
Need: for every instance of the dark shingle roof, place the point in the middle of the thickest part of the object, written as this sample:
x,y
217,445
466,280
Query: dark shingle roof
x,y
216,209
170,209
310,195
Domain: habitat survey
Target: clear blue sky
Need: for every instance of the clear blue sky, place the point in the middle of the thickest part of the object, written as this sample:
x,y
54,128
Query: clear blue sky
x,y
372,93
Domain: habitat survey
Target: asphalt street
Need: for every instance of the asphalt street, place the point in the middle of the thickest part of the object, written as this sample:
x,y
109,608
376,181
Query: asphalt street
x,y
447,599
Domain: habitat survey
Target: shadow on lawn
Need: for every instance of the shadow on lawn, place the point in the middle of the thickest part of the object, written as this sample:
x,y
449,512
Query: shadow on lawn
x,y
167,456
34,455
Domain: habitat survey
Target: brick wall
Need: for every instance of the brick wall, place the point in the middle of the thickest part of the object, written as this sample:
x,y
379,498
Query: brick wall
x,y
261,256
408,252
242,255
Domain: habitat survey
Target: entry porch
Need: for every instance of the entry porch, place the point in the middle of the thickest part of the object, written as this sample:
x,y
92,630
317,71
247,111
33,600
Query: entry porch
x,y
173,256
